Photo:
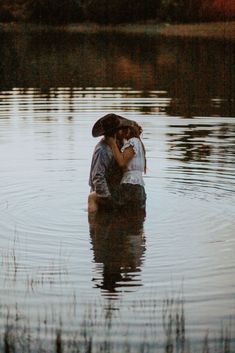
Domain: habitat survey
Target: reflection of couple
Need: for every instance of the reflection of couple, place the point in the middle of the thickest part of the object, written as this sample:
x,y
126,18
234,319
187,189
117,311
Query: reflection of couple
x,y
118,164
118,245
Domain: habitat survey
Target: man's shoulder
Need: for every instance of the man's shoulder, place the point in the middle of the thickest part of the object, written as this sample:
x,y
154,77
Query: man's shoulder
x,y
103,149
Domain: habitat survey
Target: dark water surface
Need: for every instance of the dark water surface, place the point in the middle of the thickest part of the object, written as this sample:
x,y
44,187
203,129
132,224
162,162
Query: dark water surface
x,y
113,276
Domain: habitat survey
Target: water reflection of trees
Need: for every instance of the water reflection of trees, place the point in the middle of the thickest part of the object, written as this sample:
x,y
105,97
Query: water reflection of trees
x,y
197,142
118,244
184,142
197,75
203,86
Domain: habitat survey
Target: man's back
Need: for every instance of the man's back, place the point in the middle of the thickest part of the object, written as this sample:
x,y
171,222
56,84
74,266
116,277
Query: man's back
x,y
105,174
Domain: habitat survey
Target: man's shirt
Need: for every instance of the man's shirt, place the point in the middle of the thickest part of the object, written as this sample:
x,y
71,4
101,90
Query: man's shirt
x,y
105,174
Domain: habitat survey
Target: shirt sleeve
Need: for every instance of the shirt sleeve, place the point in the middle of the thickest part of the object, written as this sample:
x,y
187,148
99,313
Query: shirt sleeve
x,y
132,142
98,173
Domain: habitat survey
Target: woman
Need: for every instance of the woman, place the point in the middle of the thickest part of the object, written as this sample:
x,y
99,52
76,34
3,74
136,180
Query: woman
x,y
132,160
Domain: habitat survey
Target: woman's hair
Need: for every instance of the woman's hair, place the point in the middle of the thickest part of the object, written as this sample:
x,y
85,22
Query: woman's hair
x,y
135,131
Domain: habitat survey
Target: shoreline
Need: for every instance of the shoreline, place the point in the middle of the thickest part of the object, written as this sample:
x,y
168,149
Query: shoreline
x,y
211,30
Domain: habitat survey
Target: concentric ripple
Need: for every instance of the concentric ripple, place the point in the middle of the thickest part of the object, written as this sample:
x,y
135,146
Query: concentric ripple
x,y
52,257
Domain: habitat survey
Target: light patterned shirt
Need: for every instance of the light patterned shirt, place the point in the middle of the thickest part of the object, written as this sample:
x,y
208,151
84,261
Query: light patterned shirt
x,y
133,173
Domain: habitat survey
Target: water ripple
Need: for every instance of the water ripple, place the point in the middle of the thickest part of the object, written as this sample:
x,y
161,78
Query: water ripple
x,y
50,252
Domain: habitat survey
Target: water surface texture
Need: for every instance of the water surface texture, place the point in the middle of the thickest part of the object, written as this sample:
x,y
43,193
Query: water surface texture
x,y
114,277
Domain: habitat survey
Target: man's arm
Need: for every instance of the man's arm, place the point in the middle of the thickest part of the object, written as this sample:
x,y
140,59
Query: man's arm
x,y
100,164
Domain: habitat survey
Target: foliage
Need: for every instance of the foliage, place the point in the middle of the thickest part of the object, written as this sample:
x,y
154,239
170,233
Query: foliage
x,y
182,10
54,12
116,11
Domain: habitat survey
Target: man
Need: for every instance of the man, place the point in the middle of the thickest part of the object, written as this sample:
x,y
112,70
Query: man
x,y
105,174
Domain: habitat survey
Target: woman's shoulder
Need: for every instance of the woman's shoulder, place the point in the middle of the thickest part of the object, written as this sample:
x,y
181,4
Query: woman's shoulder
x,y
133,142
134,139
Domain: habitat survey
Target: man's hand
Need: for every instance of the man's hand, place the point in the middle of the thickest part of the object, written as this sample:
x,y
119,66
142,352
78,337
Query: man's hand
x,y
105,202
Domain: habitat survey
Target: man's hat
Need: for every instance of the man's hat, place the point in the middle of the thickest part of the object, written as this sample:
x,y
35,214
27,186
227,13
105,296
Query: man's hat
x,y
110,123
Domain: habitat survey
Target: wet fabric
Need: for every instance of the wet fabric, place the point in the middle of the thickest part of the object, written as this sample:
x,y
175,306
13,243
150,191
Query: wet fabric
x,y
129,196
105,174
133,173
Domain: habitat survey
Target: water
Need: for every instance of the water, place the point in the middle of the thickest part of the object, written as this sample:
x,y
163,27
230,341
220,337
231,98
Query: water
x,y
113,277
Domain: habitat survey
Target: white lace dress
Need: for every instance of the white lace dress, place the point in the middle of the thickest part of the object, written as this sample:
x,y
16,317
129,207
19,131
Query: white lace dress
x,y
134,171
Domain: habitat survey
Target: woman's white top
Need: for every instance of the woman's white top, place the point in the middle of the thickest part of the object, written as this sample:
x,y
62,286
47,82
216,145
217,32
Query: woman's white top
x,y
133,173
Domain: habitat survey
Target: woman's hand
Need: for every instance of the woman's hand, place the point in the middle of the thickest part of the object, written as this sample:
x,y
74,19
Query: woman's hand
x,y
111,141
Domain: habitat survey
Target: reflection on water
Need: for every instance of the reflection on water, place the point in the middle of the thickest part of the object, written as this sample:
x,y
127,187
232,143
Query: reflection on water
x,y
53,261
206,150
118,244
195,141
195,83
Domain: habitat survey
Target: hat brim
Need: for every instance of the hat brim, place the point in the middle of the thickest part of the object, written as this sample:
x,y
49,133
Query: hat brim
x,y
119,122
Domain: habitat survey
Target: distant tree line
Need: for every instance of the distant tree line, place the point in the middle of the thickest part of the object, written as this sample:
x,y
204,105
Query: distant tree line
x,y
115,11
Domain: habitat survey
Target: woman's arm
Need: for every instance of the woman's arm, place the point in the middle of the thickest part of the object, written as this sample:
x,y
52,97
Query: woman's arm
x,y
122,158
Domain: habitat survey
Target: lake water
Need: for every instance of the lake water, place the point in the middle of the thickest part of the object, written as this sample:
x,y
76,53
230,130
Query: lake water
x,y
116,286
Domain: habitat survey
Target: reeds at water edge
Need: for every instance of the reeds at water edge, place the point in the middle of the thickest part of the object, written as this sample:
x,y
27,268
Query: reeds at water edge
x,y
165,328
14,268
18,338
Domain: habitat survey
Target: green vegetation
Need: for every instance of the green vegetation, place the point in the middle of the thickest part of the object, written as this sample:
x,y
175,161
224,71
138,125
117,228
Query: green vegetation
x,y
117,11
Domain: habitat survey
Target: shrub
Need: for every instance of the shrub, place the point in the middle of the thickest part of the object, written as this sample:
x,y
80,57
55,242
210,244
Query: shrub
x,y
6,15
54,12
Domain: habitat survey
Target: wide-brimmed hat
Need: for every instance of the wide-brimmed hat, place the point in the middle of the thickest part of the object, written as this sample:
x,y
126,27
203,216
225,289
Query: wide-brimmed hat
x,y
110,123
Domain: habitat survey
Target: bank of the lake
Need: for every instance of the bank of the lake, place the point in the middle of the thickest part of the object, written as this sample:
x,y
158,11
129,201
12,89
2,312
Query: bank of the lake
x,y
215,30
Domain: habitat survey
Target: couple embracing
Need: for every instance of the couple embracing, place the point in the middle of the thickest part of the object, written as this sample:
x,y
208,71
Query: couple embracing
x,y
117,167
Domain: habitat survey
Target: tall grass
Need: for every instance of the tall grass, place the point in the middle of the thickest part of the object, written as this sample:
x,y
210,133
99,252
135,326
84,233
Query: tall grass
x,y
14,268
164,324
23,338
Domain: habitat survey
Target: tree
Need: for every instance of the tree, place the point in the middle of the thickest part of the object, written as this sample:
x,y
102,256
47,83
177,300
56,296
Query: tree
x,y
181,10
54,12
121,11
